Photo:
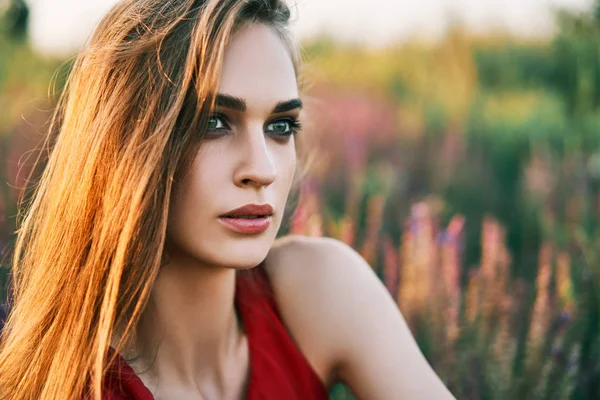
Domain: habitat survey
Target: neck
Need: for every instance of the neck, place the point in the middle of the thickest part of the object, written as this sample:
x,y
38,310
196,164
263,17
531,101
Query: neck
x,y
189,334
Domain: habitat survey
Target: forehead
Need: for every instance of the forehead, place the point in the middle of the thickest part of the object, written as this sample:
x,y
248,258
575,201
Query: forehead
x,y
258,67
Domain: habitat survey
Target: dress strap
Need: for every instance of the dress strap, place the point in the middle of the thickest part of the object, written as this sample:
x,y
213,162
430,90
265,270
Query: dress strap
x,y
278,368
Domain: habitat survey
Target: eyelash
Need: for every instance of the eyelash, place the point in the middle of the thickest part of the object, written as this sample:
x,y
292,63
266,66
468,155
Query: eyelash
x,y
294,123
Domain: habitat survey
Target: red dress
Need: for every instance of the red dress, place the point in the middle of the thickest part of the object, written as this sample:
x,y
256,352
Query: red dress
x,y
278,370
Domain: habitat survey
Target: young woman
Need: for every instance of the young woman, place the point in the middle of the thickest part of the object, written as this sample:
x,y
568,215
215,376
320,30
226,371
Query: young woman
x,y
146,264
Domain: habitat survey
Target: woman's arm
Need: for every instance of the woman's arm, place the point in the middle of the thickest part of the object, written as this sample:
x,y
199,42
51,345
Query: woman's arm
x,y
337,308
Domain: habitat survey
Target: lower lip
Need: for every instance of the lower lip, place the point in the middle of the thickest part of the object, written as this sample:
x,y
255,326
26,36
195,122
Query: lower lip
x,y
247,226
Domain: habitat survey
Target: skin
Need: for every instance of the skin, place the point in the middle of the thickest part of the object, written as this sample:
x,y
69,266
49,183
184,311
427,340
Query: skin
x,y
334,306
203,354
346,323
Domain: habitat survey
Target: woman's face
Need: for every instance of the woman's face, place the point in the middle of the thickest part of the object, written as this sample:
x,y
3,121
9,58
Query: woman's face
x,y
248,157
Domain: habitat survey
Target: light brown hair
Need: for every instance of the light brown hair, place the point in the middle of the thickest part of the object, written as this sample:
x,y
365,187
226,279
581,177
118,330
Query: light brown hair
x,y
90,239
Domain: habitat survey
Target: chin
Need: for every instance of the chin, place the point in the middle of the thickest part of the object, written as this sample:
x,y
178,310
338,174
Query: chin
x,y
243,254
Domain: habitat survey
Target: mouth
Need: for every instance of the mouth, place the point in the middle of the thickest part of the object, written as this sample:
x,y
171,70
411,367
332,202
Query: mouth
x,y
249,219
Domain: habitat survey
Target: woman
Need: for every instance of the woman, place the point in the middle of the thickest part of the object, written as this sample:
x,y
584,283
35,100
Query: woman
x,y
147,266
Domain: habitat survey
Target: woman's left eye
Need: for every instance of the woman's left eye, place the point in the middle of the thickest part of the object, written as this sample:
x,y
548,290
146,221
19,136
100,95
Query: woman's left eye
x,y
283,127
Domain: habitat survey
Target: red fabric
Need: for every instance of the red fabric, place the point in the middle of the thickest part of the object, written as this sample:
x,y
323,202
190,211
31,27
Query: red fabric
x,y
278,370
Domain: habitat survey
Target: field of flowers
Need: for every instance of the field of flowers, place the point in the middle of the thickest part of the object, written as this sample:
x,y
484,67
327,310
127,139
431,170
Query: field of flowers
x,y
466,172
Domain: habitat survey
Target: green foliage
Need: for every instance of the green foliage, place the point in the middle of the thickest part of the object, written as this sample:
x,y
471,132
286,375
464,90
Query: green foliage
x,y
514,66
15,19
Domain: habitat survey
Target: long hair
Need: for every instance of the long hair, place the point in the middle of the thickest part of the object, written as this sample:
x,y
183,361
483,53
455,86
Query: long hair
x,y
90,241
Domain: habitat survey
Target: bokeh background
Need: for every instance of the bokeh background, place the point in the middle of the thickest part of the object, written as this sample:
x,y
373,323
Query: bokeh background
x,y
456,146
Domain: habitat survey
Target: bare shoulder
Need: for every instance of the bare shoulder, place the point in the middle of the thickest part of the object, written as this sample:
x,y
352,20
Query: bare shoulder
x,y
307,256
300,289
345,321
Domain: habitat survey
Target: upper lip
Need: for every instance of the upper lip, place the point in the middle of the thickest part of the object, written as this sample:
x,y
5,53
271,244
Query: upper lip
x,y
250,210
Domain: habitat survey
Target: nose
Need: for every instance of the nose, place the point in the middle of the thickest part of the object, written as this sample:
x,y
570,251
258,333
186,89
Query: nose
x,y
256,168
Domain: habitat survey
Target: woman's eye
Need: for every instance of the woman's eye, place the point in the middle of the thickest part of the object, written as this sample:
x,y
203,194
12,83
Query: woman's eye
x,y
216,123
282,127
279,127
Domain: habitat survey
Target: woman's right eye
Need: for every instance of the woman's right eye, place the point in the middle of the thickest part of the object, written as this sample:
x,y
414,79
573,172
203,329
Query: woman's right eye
x,y
216,123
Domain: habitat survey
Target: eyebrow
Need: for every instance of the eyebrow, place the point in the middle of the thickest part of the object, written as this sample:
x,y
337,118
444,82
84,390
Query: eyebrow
x,y
288,105
227,101
239,104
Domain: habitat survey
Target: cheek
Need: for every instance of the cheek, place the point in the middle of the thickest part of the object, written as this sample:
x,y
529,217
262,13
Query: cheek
x,y
182,208
286,166
189,191
210,177
191,198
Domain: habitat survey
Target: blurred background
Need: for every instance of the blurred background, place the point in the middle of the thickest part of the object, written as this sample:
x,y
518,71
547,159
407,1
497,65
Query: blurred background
x,y
456,147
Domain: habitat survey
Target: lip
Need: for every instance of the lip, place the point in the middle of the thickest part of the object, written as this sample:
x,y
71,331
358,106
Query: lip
x,y
250,210
238,220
